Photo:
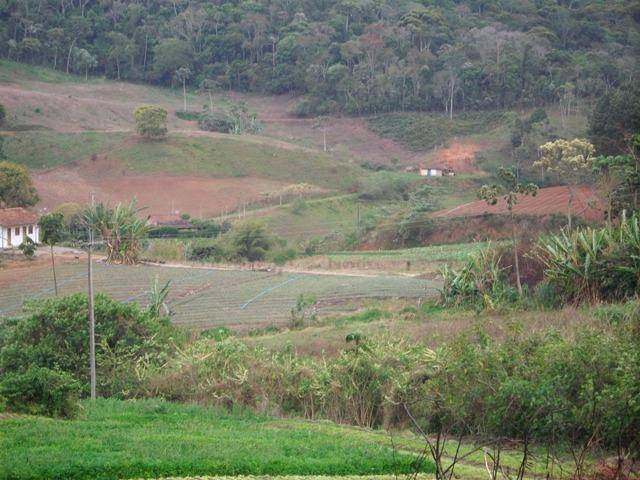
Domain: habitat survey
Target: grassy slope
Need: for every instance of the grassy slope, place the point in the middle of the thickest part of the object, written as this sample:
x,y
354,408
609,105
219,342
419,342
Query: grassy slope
x,y
46,93
424,323
116,439
16,72
231,156
317,218
422,131
227,156
46,149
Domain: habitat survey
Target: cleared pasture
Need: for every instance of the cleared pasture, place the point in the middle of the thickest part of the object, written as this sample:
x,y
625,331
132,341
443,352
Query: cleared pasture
x,y
206,297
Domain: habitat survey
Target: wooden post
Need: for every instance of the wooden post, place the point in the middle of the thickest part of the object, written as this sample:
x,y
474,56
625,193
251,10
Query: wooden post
x,y
92,321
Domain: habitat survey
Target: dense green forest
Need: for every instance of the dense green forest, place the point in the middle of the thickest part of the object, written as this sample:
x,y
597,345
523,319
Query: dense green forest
x,y
354,56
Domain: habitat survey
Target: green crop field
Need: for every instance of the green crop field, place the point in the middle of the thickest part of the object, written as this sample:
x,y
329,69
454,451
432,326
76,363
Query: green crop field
x,y
205,297
435,253
133,439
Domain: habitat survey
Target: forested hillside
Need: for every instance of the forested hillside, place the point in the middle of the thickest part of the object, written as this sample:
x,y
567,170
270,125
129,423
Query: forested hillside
x,y
354,56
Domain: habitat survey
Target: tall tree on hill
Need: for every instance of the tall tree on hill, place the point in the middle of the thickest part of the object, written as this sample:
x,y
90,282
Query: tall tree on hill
x,y
209,86
52,230
615,120
511,190
570,161
16,187
182,75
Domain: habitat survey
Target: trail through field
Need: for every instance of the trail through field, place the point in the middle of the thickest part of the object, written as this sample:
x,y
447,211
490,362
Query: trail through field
x,y
209,297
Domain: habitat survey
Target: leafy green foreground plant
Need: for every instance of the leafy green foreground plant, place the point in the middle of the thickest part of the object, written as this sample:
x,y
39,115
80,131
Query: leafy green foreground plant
x,y
120,228
533,388
481,282
594,264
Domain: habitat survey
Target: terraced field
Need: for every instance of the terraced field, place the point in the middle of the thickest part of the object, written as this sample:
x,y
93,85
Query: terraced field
x,y
203,298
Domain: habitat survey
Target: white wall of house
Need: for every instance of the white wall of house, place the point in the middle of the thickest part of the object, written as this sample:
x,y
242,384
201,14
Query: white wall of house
x,y
14,236
430,172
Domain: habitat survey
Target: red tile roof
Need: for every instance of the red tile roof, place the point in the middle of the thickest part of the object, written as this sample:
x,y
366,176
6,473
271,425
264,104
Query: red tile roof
x,y
14,217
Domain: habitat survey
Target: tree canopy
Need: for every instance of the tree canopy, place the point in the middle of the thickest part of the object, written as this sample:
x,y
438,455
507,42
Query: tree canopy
x,y
16,187
353,56
151,121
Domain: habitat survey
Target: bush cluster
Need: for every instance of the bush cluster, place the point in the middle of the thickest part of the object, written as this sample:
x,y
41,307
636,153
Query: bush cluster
x,y
594,264
587,264
481,282
353,388
545,386
44,356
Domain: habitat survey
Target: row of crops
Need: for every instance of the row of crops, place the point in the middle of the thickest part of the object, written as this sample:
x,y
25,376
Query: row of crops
x,y
203,298
434,253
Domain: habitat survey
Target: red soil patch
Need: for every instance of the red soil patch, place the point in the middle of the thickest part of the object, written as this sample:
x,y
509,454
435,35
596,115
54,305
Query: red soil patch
x,y
548,201
459,155
159,193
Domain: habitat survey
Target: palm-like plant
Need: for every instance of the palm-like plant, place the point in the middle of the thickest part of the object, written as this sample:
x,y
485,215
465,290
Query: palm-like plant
x,y
120,228
594,264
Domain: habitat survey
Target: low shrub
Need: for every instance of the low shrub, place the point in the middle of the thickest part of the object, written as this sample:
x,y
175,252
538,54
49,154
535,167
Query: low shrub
x,y
216,122
217,333
356,387
41,391
190,116
383,186
211,250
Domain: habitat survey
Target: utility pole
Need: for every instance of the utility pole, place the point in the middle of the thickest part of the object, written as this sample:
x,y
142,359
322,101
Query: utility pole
x,y
92,321
358,216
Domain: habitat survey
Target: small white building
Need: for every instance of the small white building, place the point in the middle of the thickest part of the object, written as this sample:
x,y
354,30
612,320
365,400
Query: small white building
x,y
436,172
16,224
430,172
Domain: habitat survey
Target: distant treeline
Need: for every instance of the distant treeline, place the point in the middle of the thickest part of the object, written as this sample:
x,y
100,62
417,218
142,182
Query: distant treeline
x,y
355,56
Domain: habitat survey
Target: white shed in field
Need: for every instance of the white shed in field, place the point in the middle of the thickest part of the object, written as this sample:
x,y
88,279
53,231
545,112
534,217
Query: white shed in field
x,y
16,224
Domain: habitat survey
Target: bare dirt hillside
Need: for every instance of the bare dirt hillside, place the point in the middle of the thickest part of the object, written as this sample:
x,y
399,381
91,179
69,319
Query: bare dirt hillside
x,y
459,155
553,200
198,196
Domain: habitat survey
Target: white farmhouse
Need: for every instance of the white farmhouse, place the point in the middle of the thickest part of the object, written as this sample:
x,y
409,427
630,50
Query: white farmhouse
x,y
431,172
436,171
16,224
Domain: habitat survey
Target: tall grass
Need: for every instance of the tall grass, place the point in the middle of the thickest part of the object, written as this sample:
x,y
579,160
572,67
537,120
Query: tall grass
x,y
356,387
